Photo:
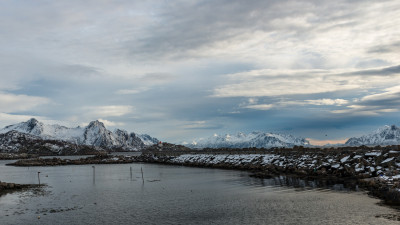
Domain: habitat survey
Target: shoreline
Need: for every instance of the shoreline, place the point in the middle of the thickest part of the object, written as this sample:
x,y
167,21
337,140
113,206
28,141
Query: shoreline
x,y
375,170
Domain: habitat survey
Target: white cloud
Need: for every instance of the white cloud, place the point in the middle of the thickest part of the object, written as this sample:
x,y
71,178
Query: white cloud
x,y
389,93
374,104
10,103
288,103
263,83
326,101
109,110
198,125
108,123
260,107
130,91
8,119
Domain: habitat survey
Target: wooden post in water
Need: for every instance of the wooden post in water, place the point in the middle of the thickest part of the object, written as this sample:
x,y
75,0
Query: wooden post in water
x,y
131,171
94,174
141,169
38,177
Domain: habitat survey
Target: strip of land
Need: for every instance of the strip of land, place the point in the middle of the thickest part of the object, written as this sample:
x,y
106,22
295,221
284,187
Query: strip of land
x,y
97,159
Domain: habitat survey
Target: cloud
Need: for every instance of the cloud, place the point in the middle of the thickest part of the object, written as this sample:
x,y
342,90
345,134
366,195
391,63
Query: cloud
x,y
385,48
258,83
199,125
260,107
108,111
8,119
198,61
11,103
288,103
108,123
327,102
374,104
130,91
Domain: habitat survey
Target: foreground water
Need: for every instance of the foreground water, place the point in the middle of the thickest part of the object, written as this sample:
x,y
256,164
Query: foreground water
x,y
111,194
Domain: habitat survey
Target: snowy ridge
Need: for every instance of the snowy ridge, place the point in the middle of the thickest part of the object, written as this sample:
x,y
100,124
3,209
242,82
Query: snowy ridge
x,y
17,142
253,139
387,135
95,134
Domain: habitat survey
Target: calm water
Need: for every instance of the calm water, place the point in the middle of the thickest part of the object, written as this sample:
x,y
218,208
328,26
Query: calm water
x,y
176,195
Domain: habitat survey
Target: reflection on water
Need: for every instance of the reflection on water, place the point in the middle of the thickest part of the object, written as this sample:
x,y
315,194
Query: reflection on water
x,y
301,184
116,194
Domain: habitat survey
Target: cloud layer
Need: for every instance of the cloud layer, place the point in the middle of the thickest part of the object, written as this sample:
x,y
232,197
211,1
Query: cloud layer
x,y
179,70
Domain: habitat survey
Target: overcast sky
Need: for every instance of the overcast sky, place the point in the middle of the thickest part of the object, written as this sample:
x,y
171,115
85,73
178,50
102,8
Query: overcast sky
x,y
179,70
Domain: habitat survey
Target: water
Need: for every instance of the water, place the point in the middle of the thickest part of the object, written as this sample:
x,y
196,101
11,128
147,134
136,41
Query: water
x,y
178,195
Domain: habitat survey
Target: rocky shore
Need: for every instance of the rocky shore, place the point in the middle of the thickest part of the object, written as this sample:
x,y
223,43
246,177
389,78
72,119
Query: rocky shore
x,y
10,187
97,159
375,169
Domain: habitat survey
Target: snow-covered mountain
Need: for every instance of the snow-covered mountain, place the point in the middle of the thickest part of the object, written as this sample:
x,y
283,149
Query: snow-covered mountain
x,y
387,135
17,142
95,134
253,139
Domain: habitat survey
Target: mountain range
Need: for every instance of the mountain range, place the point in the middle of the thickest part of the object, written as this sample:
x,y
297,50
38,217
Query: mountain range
x,y
95,135
386,135
33,136
253,139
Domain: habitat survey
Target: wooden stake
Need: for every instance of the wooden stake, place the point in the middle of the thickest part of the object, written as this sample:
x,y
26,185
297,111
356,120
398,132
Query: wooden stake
x,y
141,169
94,174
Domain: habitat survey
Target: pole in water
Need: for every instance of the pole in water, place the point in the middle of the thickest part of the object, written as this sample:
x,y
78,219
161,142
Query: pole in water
x,y
94,173
141,169
131,171
38,177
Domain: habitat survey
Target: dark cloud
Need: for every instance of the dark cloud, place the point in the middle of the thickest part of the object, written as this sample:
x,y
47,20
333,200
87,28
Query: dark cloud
x,y
386,71
386,48
183,28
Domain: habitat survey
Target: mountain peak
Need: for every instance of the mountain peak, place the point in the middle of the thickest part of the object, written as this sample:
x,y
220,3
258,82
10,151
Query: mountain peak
x,y
32,120
96,123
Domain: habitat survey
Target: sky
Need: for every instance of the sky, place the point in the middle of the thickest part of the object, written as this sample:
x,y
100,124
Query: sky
x,y
181,70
